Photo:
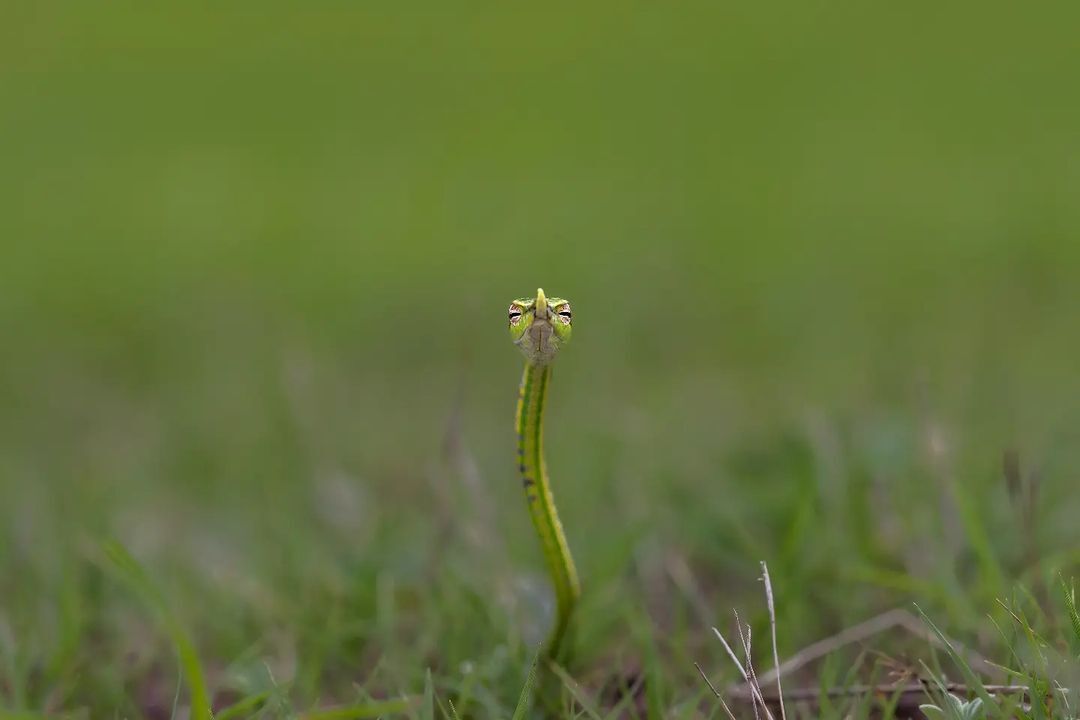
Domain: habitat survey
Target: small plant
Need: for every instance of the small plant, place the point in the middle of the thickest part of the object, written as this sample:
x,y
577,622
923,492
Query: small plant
x,y
955,709
1044,672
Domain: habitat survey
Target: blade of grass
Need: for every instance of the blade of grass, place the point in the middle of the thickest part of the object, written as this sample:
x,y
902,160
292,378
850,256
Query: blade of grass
x,y
1037,677
427,709
361,711
978,539
970,678
719,696
241,707
654,678
944,701
136,577
1070,605
625,707
586,704
526,690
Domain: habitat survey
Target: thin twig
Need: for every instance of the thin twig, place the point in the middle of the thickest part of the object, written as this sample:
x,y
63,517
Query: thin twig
x,y
897,617
746,643
715,691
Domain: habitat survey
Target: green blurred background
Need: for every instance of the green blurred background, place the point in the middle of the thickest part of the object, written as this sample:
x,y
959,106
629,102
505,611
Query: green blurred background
x,y
256,260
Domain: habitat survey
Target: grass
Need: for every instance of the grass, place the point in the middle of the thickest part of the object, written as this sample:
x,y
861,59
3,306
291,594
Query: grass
x,y
822,263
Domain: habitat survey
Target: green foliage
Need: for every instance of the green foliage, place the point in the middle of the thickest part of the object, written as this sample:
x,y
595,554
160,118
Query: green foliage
x,y
1048,676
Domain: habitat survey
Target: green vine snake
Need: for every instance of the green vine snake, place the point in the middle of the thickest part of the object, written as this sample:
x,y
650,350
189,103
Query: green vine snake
x,y
540,326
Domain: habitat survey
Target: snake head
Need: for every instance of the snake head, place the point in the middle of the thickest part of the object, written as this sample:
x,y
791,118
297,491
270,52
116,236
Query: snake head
x,y
540,326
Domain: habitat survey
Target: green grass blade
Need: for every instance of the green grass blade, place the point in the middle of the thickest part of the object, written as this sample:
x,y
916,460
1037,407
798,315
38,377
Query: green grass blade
x,y
654,677
361,711
978,540
136,577
587,705
970,678
427,710
242,707
526,690
1070,606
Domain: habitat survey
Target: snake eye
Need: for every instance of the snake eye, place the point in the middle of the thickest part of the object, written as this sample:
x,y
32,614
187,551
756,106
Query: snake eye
x,y
515,314
564,314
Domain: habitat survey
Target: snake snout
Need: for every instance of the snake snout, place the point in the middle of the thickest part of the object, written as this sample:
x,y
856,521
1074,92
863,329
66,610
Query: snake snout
x,y
540,309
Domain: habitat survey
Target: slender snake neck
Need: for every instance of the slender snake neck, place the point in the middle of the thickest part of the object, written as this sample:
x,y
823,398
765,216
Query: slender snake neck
x,y
530,435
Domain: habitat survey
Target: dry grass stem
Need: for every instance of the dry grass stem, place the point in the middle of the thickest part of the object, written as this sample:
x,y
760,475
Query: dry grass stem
x,y
772,626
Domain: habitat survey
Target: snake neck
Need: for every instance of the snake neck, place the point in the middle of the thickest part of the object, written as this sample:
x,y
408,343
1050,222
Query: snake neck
x,y
533,471
532,396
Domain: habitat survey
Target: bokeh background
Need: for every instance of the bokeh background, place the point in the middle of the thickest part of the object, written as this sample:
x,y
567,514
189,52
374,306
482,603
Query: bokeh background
x,y
255,265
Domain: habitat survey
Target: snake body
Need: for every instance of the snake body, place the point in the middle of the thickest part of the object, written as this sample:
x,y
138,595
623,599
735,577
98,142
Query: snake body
x,y
540,327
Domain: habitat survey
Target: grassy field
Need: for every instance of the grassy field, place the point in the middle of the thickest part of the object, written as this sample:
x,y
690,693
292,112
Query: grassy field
x,y
256,390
